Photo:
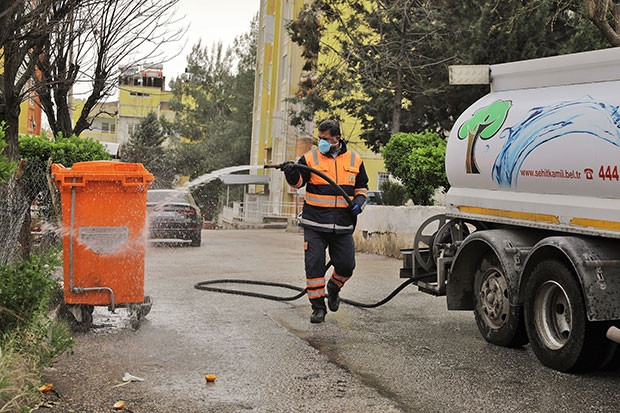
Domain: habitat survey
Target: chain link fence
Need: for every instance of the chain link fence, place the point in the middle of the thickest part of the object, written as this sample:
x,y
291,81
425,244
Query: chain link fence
x,y
29,212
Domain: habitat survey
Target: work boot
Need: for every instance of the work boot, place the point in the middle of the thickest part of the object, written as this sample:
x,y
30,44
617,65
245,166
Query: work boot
x,y
318,315
333,298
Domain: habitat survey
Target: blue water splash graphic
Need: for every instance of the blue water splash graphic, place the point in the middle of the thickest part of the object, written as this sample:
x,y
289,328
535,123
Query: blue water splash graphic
x,y
549,122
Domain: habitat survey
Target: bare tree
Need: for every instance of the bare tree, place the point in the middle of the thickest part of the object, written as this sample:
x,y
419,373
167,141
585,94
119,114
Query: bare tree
x,y
92,44
605,14
24,27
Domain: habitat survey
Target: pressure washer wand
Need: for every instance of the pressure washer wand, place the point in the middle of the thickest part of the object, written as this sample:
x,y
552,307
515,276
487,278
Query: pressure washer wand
x,y
319,173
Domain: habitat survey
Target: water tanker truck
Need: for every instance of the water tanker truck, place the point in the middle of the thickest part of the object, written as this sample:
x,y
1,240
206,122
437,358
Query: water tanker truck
x,y
530,237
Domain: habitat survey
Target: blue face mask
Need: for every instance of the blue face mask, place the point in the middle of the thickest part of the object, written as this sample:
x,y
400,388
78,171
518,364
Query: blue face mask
x,y
324,146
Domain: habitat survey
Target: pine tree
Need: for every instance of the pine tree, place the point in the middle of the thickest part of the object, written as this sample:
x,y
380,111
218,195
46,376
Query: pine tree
x,y
145,146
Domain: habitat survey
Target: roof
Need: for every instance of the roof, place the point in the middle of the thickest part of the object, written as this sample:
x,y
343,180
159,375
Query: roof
x,y
111,148
245,179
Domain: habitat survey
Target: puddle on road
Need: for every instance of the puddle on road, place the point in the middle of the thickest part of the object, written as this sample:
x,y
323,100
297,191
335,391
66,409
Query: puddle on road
x,y
107,322
325,339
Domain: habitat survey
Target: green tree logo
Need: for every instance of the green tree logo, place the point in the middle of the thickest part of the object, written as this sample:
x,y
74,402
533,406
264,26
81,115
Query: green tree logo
x,y
485,123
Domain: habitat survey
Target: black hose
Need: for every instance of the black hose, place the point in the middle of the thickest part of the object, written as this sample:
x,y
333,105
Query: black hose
x,y
302,291
322,175
203,286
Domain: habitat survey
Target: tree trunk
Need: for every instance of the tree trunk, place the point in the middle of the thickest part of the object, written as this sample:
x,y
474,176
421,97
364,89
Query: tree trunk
x,y
25,239
11,133
597,12
398,96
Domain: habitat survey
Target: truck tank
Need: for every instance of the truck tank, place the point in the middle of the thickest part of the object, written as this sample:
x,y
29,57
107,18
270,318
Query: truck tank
x,y
543,148
529,239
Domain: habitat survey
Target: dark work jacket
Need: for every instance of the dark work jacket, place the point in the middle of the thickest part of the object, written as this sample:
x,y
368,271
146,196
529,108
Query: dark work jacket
x,y
325,209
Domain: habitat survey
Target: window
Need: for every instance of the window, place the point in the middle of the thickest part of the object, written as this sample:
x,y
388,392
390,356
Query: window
x,y
140,94
381,178
108,127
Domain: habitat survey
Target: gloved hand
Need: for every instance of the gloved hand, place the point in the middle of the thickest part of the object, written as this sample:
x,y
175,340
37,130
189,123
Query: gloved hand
x,y
291,173
356,210
287,166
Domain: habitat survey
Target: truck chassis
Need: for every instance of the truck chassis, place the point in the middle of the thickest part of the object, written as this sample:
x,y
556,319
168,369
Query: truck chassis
x,y
558,291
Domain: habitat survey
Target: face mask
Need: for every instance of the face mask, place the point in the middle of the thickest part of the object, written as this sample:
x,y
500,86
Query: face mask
x,y
324,146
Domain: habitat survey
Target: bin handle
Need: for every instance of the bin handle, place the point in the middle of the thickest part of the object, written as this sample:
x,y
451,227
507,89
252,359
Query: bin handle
x,y
133,180
80,181
74,181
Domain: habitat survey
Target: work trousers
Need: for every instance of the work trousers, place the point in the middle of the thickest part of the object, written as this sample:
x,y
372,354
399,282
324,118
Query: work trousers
x,y
342,255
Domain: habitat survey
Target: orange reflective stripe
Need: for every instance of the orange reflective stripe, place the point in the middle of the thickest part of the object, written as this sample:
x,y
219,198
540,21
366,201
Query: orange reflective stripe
x,y
315,283
326,201
315,294
300,181
343,169
339,280
315,287
361,191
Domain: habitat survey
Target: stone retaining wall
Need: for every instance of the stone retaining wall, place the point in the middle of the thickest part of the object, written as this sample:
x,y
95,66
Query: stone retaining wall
x,y
385,230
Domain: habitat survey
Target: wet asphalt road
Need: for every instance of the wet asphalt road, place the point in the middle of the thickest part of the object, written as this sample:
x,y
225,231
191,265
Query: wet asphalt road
x,y
409,355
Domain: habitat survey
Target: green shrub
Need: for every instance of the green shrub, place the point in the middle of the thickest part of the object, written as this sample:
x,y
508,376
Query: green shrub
x,y
29,338
417,159
38,150
393,193
26,290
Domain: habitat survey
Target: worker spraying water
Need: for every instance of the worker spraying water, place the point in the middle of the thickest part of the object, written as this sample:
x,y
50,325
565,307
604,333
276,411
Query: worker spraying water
x,y
329,213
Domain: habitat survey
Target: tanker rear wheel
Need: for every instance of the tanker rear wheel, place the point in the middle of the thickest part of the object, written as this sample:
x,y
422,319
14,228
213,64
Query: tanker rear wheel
x,y
498,322
555,317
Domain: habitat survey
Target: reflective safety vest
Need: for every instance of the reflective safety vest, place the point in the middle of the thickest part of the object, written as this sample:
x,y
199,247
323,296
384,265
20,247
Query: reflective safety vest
x,y
325,208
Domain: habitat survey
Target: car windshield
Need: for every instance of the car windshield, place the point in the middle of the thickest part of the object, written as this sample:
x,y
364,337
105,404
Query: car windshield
x,y
166,196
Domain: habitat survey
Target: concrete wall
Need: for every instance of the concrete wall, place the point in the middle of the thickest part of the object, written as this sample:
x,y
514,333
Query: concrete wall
x,y
385,230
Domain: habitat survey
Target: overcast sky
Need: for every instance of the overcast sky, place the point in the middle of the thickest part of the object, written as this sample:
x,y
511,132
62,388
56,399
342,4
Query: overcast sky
x,y
212,21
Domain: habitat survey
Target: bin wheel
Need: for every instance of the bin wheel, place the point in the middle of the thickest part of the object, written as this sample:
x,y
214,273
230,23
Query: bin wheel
x,y
87,314
135,315
78,316
135,322
137,311
145,307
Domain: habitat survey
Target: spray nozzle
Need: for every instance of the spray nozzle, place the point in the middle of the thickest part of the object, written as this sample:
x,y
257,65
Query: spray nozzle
x,y
281,166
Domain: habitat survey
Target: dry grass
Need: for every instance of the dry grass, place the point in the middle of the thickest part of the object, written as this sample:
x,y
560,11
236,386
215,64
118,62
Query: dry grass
x,y
19,379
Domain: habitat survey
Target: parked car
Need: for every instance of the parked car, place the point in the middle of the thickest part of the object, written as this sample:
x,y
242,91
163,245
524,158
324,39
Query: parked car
x,y
173,215
374,198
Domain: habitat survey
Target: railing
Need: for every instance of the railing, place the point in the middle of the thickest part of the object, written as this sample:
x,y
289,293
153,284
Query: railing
x,y
259,211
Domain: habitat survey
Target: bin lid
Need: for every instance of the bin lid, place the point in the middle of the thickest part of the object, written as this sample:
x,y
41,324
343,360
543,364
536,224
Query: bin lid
x,y
129,174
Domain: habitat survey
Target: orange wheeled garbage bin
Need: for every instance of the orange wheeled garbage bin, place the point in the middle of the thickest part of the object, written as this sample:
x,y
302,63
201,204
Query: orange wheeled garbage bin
x,y
104,237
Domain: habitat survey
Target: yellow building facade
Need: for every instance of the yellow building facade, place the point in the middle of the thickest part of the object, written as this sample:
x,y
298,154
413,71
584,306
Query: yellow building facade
x,y
141,90
278,73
